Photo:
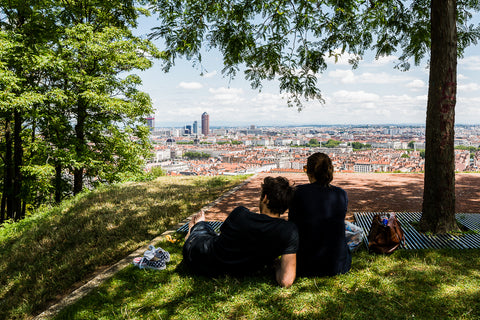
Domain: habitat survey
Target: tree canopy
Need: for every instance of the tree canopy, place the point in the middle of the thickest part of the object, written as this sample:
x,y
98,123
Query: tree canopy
x,y
290,41
70,108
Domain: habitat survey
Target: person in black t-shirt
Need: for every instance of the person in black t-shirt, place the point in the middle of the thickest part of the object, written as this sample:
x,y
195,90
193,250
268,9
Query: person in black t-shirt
x,y
247,241
318,210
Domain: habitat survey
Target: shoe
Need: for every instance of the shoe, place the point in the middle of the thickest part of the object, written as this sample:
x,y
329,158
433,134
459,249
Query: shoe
x,y
157,253
144,263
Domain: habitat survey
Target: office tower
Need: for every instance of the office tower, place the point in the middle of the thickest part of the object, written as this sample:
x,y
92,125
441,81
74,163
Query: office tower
x,y
151,122
188,129
205,124
195,127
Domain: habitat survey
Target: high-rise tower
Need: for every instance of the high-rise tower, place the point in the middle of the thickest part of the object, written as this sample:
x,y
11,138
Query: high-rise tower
x,y
150,122
205,124
195,127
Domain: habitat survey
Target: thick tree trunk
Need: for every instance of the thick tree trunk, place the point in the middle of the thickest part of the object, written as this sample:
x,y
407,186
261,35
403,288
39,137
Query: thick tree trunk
x,y
439,188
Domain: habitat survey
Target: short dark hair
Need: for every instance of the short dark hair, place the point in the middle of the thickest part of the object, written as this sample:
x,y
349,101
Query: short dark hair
x,y
279,193
320,167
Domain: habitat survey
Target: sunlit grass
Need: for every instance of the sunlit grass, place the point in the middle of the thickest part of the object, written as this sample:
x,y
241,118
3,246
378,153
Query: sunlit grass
x,y
42,257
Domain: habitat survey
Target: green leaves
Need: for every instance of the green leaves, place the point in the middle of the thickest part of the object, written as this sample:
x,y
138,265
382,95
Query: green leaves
x,y
275,39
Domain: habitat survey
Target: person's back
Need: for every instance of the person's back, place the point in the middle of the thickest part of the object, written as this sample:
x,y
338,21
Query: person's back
x,y
318,210
248,241
319,214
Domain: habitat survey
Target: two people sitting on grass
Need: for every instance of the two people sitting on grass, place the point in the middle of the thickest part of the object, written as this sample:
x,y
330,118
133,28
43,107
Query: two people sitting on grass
x,y
311,243
248,242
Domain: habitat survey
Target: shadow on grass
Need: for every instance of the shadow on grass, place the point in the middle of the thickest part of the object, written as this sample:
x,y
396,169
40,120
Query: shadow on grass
x,y
422,284
44,260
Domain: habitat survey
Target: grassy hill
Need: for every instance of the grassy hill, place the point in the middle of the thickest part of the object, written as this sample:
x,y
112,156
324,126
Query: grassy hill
x,y
44,256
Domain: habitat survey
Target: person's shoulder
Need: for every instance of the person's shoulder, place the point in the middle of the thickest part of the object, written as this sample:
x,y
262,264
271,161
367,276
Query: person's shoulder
x,y
302,187
289,229
286,224
337,189
240,210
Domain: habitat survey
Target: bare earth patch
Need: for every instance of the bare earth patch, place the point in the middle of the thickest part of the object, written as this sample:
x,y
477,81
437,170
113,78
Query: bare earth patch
x,y
367,192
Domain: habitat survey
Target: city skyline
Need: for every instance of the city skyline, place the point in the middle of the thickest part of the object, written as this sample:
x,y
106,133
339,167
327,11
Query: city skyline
x,y
375,93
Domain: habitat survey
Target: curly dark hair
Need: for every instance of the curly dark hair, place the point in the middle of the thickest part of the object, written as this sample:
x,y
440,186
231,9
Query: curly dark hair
x,y
279,193
319,165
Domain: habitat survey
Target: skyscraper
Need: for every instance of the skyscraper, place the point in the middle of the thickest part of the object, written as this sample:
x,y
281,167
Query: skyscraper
x,y
151,122
205,124
195,127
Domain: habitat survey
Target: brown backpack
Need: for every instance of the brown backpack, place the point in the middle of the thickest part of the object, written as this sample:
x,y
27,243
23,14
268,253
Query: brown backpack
x,y
385,234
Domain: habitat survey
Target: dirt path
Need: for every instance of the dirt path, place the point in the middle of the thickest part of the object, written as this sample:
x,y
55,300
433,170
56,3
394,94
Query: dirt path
x,y
369,192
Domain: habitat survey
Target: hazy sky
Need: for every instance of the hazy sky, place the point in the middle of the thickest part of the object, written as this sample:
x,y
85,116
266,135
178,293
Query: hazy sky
x,y
375,93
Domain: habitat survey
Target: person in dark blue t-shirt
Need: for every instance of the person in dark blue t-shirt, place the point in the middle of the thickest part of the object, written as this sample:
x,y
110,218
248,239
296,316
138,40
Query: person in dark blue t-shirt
x,y
247,241
318,210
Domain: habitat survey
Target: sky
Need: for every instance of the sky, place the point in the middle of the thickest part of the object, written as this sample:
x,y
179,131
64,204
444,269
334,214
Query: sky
x,y
374,93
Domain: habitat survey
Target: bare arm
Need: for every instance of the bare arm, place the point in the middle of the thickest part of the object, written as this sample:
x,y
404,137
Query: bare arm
x,y
286,270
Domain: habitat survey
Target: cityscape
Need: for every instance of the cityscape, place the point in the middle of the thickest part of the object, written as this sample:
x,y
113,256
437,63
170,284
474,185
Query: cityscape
x,y
205,150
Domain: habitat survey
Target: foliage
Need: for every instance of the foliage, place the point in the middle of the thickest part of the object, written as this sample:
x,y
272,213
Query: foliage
x,y
196,155
69,107
358,145
313,143
469,148
44,255
405,155
331,143
292,41
232,142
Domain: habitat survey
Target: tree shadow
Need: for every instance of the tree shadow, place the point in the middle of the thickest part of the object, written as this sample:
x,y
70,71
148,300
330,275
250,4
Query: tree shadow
x,y
44,262
423,284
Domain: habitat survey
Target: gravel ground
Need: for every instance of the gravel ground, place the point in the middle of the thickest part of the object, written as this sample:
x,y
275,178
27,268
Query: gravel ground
x,y
367,192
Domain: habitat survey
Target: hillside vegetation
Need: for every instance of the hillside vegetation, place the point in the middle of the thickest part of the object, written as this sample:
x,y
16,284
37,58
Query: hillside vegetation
x,y
43,256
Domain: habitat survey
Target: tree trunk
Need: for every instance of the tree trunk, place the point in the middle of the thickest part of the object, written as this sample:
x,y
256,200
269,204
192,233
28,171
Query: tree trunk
x,y
58,183
439,185
80,146
7,196
17,164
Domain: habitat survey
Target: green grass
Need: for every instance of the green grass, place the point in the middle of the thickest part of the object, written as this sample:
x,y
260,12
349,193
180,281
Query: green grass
x,y
430,284
48,253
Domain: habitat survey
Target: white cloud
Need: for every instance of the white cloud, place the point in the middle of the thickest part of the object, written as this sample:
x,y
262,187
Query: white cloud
x,y
382,61
227,96
381,78
210,74
468,87
354,97
345,76
190,85
471,63
416,85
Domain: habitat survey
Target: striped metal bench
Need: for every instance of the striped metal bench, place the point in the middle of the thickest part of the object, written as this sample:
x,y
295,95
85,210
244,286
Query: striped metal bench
x,y
417,240
413,239
214,224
